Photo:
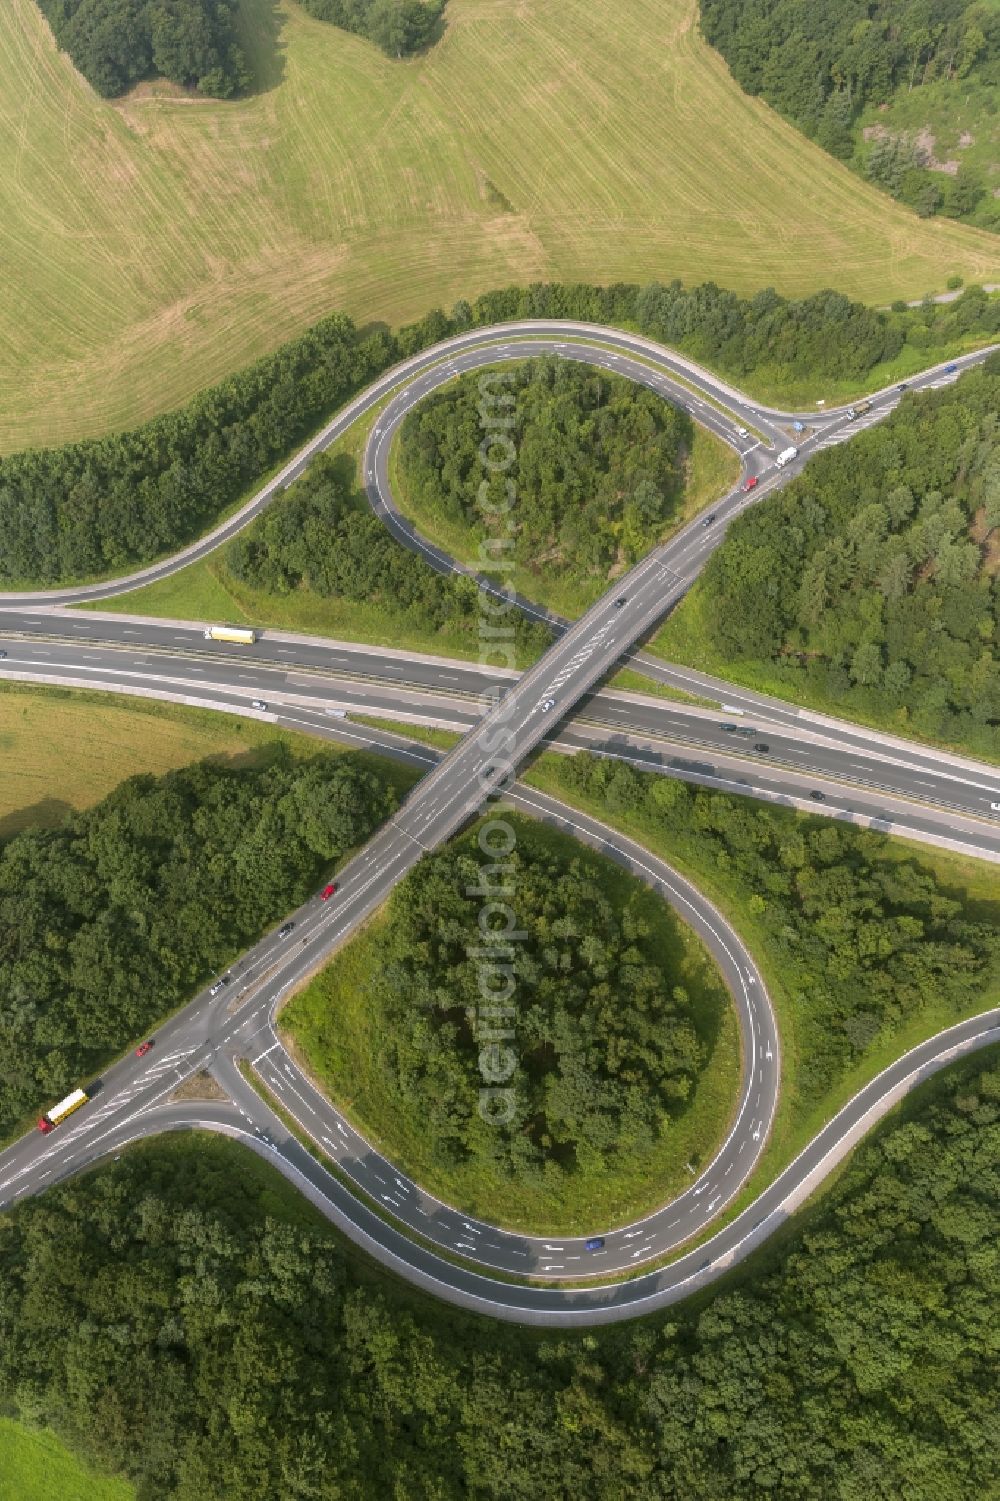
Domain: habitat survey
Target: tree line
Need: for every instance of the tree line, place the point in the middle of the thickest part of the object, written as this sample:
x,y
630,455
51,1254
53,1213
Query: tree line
x,y
321,535
101,506
822,65
116,43
398,27
598,467
112,920
871,583
860,939
181,1318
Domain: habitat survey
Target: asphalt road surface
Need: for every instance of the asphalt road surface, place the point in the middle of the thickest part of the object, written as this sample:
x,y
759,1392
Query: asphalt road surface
x,y
211,1032
876,779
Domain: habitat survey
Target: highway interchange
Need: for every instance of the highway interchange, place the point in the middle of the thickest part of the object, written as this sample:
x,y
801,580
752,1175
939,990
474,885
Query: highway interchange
x,y
863,775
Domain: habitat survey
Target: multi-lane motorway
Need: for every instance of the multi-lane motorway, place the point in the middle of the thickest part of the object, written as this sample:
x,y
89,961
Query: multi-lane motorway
x,y
860,774
893,784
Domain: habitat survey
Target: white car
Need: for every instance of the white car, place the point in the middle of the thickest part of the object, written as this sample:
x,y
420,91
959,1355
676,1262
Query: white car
x,y
548,704
995,807
742,432
258,703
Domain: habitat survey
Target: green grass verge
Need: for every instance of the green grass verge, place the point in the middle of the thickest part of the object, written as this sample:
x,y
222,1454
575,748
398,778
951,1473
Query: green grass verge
x,y
426,734
211,231
331,1165
336,1031
35,1466
799,1115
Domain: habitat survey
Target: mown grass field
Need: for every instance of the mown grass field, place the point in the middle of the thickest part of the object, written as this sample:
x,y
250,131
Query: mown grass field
x,y
34,1466
65,749
152,245
336,1028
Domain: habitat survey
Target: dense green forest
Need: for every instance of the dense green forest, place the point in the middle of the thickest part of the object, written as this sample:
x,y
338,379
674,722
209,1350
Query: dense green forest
x,y
103,505
862,939
828,67
115,43
322,536
182,1317
597,463
872,583
112,920
607,1050
399,27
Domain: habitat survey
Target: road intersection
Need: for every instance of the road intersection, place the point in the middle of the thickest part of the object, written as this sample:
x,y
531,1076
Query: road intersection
x,y
905,787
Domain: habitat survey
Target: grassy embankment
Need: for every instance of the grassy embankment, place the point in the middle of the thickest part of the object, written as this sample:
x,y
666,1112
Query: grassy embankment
x,y
685,639
212,231
34,1466
335,1026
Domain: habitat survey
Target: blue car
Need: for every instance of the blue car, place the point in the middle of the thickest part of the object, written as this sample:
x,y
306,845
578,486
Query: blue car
x,y
950,369
596,1243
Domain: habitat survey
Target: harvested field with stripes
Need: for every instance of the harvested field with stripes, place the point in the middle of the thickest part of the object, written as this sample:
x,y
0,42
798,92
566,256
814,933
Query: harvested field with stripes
x,y
151,245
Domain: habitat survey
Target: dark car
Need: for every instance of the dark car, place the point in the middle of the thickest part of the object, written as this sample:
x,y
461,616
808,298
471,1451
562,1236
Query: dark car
x,y
818,797
222,980
730,729
620,602
709,519
904,385
285,929
762,746
2,653
595,1243
143,1048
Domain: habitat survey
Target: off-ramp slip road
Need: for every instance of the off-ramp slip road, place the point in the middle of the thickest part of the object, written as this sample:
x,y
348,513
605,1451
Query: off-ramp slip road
x,y
873,779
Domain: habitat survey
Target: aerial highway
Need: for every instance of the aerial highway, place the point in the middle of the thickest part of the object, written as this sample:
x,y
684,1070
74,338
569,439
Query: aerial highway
x,y
692,386
876,780
906,789
439,1248
239,1020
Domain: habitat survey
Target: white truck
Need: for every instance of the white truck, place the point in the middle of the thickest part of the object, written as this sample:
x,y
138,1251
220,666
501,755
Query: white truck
x,y
231,633
785,457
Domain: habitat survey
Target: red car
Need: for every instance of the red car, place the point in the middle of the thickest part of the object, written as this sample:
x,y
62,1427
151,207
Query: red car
x,y
328,891
143,1048
751,483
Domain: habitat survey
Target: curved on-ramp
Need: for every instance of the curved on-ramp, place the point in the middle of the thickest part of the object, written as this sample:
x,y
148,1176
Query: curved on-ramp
x,y
426,1267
